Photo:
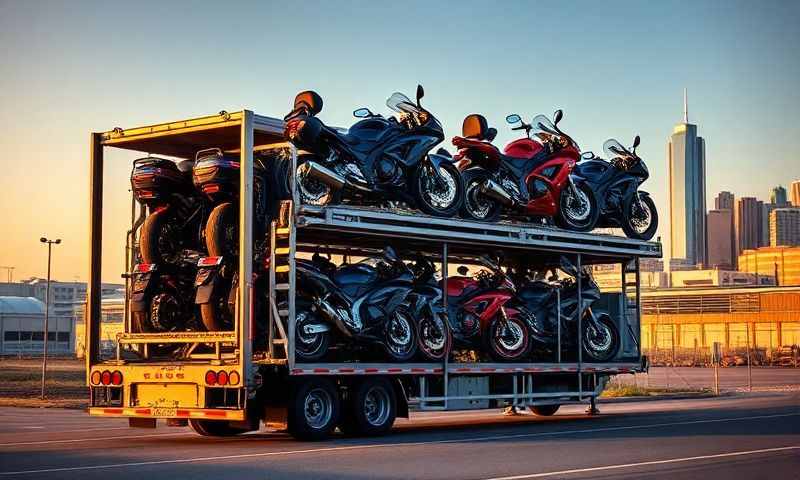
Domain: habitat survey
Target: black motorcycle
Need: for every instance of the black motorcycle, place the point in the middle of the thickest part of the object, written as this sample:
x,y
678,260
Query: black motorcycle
x,y
366,303
616,187
378,161
539,299
168,244
433,332
216,176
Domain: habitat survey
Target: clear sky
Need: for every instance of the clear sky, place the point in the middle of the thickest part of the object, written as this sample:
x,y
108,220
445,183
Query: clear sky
x,y
617,69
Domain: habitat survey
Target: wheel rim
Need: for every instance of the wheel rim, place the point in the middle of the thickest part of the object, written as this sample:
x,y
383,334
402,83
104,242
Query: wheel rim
x,y
640,216
318,408
399,334
433,337
168,243
377,406
307,343
510,336
598,340
576,209
164,312
477,204
438,196
312,191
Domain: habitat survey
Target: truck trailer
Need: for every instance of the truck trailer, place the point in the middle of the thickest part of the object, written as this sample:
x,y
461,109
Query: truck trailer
x,y
230,382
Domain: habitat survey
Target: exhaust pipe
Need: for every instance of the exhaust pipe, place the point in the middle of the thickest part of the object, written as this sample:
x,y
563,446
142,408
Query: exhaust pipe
x,y
493,190
323,174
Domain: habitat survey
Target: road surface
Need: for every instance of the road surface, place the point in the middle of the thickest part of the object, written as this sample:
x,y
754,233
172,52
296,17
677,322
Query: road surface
x,y
742,436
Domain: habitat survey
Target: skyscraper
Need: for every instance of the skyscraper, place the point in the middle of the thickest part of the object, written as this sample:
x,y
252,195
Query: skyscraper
x,y
749,223
720,239
686,154
724,201
796,193
777,196
784,227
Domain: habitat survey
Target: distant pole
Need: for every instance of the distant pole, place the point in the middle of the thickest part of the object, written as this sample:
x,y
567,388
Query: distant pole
x,y
47,306
749,359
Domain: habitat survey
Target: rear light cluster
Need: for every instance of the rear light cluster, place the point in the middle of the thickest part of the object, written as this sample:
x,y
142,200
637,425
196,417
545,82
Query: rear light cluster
x,y
106,377
222,378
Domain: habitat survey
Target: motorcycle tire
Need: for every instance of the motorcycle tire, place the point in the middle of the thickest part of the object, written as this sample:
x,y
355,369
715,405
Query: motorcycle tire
x,y
312,191
628,221
216,315
596,347
434,337
584,223
478,206
426,200
400,336
222,231
158,242
503,348
308,347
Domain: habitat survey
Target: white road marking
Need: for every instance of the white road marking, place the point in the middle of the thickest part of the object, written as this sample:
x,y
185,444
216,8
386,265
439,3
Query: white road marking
x,y
644,464
388,445
32,428
95,439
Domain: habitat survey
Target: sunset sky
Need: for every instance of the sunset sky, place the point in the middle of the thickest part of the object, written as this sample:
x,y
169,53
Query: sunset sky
x,y
617,69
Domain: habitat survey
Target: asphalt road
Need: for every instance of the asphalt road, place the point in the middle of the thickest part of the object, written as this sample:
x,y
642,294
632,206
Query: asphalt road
x,y
742,437
730,378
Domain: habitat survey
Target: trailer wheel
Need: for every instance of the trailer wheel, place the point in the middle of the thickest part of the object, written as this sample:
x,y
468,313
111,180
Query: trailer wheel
x,y
215,428
545,410
314,411
371,408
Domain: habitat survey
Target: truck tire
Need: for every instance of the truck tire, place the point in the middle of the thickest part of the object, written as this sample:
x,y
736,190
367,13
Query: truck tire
x,y
215,428
545,410
314,409
371,408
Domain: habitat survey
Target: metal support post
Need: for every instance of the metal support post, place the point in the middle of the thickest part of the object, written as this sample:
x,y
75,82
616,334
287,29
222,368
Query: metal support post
x,y
749,359
446,316
558,324
245,309
580,327
92,317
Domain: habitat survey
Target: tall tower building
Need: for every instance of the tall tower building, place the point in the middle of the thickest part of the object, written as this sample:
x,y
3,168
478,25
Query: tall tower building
x,y
686,154
796,193
784,227
720,239
724,201
777,196
749,223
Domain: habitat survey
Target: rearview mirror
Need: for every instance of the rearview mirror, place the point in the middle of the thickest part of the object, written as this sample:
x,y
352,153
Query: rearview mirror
x,y
587,155
390,255
362,113
420,94
491,133
636,142
462,270
513,118
557,116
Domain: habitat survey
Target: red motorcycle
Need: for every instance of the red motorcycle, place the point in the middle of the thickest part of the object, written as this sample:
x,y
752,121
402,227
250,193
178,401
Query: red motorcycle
x,y
531,178
480,319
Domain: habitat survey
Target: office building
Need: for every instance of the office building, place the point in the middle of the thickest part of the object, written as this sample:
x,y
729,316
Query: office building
x,y
777,196
721,246
687,192
796,193
724,201
784,227
781,262
748,220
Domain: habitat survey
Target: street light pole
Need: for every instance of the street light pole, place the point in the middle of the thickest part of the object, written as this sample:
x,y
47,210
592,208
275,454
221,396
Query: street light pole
x,y
47,306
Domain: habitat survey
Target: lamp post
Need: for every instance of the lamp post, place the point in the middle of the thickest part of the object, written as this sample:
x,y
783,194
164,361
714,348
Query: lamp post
x,y
47,305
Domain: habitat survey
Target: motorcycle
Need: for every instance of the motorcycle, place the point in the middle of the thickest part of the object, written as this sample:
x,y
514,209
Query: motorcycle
x,y
378,160
433,332
530,178
480,317
539,300
216,175
616,186
169,236
366,303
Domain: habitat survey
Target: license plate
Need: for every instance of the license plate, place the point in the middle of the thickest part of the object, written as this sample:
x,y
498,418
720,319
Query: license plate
x,y
165,412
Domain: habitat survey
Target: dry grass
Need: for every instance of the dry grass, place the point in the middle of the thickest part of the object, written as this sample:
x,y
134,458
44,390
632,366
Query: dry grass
x,y
20,383
617,391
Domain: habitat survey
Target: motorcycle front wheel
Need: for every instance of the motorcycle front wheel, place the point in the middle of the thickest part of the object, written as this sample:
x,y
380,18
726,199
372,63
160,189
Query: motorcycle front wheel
x,y
434,337
639,218
440,196
578,213
400,336
600,338
478,206
508,340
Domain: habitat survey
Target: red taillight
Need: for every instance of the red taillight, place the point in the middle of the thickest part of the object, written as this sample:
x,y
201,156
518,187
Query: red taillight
x,y
95,378
116,377
211,377
144,267
222,377
105,377
233,378
209,261
212,188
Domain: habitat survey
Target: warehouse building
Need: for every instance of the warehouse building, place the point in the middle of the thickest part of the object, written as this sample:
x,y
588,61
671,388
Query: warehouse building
x,y
22,328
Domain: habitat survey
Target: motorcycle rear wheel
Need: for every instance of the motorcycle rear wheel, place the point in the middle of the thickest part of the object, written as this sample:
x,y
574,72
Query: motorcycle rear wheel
x,y
222,231
600,344
478,206
576,217
158,240
435,338
308,347
441,200
633,224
